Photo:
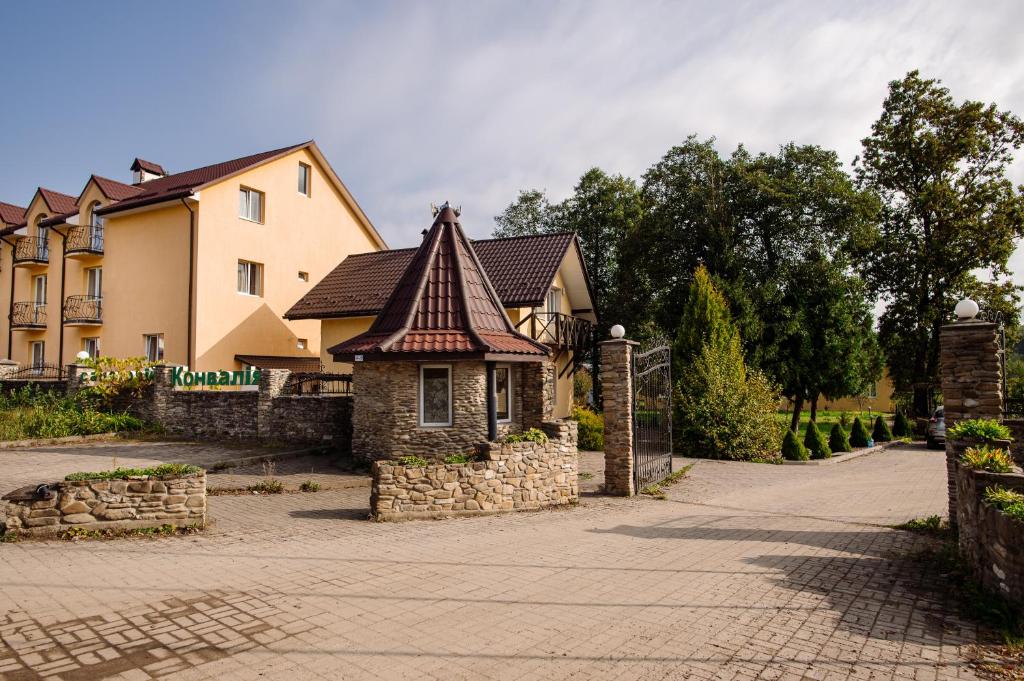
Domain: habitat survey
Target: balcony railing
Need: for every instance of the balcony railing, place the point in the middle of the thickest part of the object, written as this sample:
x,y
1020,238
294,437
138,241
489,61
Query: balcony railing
x,y
28,315
559,330
83,310
85,239
31,249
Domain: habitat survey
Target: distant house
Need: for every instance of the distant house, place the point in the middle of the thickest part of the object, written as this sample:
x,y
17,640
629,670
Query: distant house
x,y
877,398
541,281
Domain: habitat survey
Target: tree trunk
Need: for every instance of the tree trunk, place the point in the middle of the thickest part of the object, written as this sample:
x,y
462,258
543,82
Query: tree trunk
x,y
798,405
814,408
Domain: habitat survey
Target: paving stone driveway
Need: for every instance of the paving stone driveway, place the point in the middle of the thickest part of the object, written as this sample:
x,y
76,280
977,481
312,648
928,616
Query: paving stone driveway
x,y
747,571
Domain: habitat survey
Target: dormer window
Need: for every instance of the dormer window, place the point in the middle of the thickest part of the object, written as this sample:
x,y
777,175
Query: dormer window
x,y
95,221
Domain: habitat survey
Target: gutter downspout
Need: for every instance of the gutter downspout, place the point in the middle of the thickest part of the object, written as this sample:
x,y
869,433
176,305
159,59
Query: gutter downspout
x,y
10,311
63,277
191,275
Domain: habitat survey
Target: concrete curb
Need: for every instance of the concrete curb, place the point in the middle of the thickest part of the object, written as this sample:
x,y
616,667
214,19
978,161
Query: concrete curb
x,y
840,458
71,439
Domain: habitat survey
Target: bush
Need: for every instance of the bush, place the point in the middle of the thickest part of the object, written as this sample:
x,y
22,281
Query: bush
x,y
881,432
793,449
859,434
838,441
987,459
309,486
1009,502
816,443
271,486
985,429
163,470
591,429
413,461
531,435
582,385
901,426
459,458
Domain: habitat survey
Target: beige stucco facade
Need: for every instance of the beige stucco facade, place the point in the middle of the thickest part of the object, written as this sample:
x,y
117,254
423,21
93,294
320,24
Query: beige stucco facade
x,y
150,253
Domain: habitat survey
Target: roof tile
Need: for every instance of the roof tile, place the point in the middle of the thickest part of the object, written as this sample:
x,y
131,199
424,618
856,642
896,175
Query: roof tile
x,y
11,214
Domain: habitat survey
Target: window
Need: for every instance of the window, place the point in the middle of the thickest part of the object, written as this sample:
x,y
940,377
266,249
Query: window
x,y
94,282
872,390
301,345
39,290
92,346
154,343
250,204
303,276
304,177
503,391
554,302
95,221
38,349
435,395
250,278
42,239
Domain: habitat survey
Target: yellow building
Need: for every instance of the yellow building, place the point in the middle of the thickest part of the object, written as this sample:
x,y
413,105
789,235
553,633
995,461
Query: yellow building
x,y
541,281
877,398
193,268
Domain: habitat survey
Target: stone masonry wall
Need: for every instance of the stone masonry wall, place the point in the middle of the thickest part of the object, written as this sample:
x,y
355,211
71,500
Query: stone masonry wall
x,y
108,504
508,477
617,393
991,542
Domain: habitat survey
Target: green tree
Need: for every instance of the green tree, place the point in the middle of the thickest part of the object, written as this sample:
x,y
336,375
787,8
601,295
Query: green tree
x,y
948,210
705,320
816,442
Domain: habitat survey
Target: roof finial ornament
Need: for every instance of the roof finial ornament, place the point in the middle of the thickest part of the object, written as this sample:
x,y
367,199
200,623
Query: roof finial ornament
x,y
435,209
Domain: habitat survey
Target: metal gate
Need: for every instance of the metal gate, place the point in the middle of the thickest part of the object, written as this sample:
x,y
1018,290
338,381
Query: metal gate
x,y
652,416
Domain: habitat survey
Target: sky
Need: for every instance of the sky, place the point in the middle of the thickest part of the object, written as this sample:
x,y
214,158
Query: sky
x,y
421,102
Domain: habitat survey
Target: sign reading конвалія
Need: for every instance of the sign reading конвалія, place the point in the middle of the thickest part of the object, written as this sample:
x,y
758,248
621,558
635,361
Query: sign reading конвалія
x,y
180,376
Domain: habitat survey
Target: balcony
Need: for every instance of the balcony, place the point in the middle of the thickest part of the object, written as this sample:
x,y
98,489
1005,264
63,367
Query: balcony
x,y
28,315
561,331
31,250
83,310
85,241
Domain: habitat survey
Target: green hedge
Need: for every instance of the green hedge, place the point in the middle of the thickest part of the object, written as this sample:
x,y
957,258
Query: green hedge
x,y
591,429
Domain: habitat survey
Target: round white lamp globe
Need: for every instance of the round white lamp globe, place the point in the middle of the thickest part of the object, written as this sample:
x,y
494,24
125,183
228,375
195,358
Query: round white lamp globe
x,y
618,331
966,309
83,355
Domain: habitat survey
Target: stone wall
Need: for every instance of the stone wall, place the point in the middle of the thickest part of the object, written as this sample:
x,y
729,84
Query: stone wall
x,y
265,414
991,542
108,504
506,477
385,415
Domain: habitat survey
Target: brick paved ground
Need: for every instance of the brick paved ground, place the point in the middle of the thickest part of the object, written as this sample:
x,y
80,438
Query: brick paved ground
x,y
745,572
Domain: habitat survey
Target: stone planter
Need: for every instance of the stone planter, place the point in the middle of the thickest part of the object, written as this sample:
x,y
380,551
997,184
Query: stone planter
x,y
107,504
954,450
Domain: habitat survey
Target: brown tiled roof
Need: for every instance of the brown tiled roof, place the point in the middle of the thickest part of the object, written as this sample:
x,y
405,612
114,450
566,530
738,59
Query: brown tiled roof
x,y
306,364
443,303
182,184
521,270
11,214
57,202
148,166
114,190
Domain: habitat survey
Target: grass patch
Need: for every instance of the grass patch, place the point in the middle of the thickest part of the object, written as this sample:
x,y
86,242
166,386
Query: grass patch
x,y
166,530
657,490
413,461
933,525
826,419
271,486
309,486
459,458
161,471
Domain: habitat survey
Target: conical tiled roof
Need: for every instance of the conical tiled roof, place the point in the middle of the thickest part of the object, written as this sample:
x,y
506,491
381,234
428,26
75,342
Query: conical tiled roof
x,y
444,304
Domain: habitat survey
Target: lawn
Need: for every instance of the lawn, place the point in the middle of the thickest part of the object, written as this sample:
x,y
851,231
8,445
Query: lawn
x,y
826,419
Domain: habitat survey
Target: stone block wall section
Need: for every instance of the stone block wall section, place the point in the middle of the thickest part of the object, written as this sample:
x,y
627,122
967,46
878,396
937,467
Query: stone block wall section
x,y
108,504
507,477
970,367
265,414
990,541
617,392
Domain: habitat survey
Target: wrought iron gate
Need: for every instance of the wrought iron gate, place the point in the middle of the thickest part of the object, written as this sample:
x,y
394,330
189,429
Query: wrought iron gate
x,y
652,416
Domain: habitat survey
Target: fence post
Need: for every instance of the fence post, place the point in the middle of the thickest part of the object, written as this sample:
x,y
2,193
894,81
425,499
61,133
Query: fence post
x,y
271,384
76,373
7,367
617,392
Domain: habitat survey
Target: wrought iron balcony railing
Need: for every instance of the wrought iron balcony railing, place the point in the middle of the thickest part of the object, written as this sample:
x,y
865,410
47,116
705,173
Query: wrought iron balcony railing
x,y
32,249
559,330
83,310
85,239
28,315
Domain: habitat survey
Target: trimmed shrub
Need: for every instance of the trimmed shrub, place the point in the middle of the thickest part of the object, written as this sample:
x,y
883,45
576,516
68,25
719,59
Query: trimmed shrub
x,y
793,449
881,433
591,429
985,429
901,426
859,434
816,443
838,440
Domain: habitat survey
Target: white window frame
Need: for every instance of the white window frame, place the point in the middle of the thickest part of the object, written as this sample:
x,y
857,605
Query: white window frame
x,y
159,346
511,391
248,265
92,341
245,195
309,179
37,299
37,366
451,397
94,274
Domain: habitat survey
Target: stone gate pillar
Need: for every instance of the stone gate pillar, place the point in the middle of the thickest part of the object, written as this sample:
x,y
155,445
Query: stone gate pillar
x,y
271,384
970,365
617,393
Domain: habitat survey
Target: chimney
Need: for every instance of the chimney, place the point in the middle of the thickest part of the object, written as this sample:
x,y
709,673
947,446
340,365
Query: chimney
x,y
143,171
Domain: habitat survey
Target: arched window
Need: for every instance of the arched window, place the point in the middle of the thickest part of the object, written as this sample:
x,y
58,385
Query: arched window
x,y
42,238
94,219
